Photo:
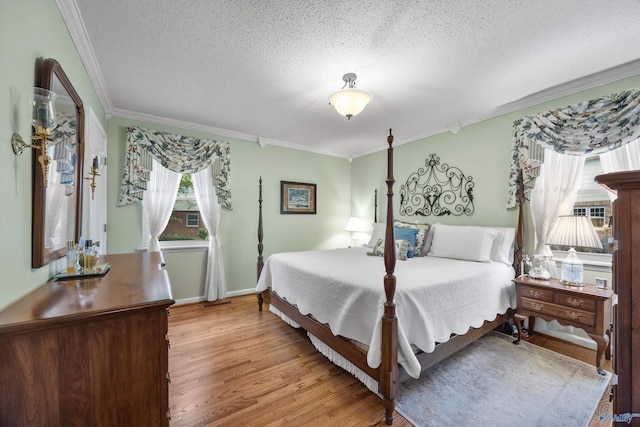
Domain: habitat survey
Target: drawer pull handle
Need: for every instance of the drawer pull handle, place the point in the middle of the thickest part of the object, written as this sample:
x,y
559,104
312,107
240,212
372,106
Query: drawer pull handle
x,y
576,302
573,315
536,306
535,294
168,377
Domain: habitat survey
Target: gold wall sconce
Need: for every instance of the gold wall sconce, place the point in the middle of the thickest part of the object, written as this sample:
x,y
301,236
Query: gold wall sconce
x,y
93,172
43,120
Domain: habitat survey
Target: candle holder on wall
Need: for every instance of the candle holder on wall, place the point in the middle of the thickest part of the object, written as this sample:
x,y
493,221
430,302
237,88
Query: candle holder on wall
x,y
95,168
43,120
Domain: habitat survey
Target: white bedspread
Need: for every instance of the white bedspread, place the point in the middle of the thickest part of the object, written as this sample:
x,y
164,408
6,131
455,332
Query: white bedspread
x,y
434,297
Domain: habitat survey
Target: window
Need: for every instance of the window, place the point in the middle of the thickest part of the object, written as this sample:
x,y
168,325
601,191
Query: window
x,y
184,223
593,201
595,213
193,220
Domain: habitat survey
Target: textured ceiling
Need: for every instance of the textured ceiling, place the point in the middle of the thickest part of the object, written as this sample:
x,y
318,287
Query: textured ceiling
x,y
264,69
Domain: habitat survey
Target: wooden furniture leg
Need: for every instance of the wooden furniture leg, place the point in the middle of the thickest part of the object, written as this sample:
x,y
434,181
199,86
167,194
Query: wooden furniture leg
x,y
518,319
603,342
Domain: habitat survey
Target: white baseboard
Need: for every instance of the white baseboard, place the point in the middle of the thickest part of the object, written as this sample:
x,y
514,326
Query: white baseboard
x,y
192,300
189,300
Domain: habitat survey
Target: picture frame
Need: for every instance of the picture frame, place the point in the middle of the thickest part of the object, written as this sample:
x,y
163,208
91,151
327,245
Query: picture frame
x,y
297,198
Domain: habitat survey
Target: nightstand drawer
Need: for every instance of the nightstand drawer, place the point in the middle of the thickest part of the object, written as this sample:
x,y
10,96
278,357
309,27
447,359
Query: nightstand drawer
x,y
537,293
559,312
577,302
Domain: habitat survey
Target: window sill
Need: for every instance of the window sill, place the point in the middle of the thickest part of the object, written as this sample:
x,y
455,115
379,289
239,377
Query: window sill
x,y
181,245
593,262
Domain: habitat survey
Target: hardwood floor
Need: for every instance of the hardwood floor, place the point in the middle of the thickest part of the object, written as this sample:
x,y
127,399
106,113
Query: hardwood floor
x,y
234,366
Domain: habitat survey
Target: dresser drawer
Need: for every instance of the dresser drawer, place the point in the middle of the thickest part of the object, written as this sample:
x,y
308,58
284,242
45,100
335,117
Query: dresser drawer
x,y
576,302
537,293
559,312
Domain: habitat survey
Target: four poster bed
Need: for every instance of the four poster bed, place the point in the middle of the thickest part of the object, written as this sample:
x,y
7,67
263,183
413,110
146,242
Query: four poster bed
x,y
336,297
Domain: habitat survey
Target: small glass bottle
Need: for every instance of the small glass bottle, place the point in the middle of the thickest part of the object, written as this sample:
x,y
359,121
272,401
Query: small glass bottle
x,y
96,255
79,258
71,258
88,256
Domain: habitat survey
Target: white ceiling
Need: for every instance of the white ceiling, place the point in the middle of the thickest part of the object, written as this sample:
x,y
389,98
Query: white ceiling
x,y
263,70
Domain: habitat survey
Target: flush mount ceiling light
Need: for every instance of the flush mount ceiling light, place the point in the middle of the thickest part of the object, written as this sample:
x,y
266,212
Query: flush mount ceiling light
x,y
351,101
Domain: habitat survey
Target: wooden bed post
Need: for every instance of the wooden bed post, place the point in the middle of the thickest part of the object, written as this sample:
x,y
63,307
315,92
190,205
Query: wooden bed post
x,y
375,205
389,364
260,246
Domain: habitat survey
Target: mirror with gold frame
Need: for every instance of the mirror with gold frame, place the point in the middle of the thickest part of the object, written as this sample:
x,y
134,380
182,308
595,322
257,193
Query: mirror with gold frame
x,y
57,201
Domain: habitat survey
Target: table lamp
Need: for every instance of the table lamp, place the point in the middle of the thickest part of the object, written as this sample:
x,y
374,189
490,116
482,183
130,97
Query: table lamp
x,y
357,225
572,231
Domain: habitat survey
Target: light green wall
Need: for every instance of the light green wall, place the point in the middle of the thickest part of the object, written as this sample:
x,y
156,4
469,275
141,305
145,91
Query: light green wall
x,y
29,29
239,227
481,150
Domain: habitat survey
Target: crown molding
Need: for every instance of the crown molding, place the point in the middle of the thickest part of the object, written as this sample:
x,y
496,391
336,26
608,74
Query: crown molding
x,y
197,127
572,87
78,32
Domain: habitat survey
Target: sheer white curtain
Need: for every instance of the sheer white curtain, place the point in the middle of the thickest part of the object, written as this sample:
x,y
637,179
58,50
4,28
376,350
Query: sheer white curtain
x,y
625,158
205,191
554,194
157,204
55,228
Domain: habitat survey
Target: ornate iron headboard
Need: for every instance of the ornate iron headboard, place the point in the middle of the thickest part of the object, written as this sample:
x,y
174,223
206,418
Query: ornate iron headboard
x,y
437,189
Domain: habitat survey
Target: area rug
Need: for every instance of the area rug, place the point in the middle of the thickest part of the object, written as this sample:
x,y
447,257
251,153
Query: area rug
x,y
493,382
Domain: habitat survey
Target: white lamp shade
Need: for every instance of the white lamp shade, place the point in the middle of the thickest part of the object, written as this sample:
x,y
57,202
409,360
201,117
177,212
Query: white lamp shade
x,y
356,224
574,230
350,102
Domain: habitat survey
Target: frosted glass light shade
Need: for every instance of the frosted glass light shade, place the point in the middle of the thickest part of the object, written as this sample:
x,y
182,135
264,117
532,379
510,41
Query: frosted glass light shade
x,y
350,102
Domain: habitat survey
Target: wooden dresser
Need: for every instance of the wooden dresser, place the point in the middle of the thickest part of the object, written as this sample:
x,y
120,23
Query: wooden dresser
x,y
626,284
90,352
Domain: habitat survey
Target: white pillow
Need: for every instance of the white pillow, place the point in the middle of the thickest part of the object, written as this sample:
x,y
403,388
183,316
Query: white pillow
x,y
462,242
503,245
378,232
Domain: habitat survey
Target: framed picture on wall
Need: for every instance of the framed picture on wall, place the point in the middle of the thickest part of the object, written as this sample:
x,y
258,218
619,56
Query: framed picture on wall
x,y
297,198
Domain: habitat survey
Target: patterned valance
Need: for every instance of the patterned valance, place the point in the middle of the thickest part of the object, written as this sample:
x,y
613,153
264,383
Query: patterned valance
x,y
590,127
182,154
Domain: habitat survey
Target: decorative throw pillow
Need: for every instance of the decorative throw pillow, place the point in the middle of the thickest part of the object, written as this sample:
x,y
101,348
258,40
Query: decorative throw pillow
x,y
421,236
409,234
402,248
378,248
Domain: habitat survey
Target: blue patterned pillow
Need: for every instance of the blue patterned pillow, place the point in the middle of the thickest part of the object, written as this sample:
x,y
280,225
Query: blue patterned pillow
x,y
421,237
409,234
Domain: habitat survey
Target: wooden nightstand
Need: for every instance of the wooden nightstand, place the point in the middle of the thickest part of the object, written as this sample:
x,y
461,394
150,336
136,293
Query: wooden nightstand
x,y
585,307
